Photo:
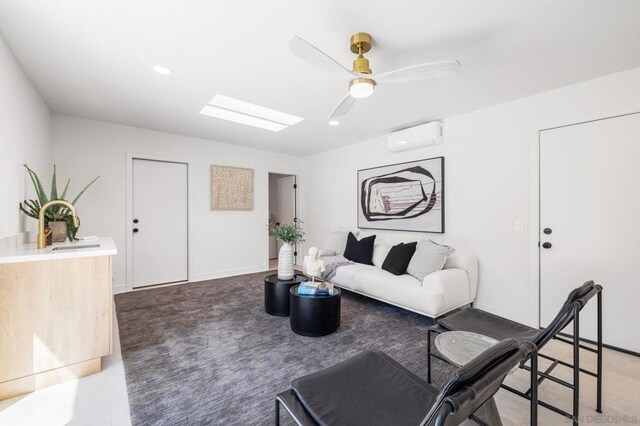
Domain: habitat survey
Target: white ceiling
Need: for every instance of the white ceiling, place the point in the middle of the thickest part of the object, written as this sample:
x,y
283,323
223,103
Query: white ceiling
x,y
94,58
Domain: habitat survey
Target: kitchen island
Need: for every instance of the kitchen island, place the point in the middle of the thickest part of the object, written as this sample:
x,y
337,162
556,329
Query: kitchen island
x,y
55,313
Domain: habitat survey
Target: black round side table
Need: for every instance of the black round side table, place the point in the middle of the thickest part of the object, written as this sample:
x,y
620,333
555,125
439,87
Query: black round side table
x,y
314,316
276,294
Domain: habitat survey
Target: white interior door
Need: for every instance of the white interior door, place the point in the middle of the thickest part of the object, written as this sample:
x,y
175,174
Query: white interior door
x,y
590,200
286,201
160,228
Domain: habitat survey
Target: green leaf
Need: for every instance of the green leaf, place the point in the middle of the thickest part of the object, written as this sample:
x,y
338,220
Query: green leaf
x,y
38,186
64,192
82,192
289,233
71,229
54,185
29,213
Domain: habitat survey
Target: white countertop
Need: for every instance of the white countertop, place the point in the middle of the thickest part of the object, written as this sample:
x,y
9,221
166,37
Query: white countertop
x,y
29,252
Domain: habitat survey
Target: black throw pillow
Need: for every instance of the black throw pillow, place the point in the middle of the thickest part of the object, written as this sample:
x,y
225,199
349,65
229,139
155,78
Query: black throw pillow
x,y
399,257
359,251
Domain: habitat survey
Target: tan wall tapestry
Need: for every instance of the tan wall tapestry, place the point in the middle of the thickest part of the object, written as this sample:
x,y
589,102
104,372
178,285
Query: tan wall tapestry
x,y
231,188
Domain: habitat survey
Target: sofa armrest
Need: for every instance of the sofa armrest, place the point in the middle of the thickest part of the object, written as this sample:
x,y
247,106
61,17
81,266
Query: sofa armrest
x,y
468,262
453,284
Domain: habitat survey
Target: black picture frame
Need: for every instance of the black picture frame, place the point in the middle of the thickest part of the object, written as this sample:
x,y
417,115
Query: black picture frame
x,y
396,222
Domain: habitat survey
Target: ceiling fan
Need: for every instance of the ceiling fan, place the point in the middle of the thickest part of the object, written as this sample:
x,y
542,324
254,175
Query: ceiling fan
x,y
361,79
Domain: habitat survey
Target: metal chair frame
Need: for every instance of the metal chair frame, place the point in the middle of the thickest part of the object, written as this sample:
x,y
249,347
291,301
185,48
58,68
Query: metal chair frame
x,y
537,379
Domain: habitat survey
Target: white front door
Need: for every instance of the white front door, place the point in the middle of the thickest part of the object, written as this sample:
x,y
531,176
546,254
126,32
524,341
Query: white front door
x,y
590,206
160,222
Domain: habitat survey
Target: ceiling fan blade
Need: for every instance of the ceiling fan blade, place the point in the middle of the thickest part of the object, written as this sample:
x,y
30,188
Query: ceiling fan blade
x,y
315,56
343,107
418,72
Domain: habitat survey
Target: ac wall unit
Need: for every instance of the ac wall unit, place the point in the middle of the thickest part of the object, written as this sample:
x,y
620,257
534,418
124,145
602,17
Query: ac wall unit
x,y
415,137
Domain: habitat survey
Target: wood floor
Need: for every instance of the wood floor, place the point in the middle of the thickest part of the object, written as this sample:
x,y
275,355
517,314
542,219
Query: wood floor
x,y
621,390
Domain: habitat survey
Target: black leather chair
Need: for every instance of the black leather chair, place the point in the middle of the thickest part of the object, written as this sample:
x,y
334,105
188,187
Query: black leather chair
x,y
373,389
482,322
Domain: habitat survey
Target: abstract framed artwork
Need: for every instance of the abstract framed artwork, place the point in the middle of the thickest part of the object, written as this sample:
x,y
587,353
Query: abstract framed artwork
x,y
403,197
231,188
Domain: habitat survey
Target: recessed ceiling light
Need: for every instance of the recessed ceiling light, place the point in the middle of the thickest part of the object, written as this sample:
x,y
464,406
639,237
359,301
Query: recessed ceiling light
x,y
333,122
162,70
237,117
402,142
242,112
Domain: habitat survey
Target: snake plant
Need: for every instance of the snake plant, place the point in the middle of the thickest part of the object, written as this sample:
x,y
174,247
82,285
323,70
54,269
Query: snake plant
x,y
54,213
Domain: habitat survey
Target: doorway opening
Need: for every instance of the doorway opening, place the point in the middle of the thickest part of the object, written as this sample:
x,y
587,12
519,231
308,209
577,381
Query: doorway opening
x,y
283,209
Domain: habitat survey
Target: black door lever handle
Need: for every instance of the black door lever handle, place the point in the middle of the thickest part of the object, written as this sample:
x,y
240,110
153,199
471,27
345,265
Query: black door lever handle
x,y
546,245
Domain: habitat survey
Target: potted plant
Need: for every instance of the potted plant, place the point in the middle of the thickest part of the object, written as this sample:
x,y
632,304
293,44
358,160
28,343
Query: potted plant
x,y
58,218
289,234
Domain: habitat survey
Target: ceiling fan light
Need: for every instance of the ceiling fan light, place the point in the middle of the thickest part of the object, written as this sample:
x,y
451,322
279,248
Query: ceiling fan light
x,y
361,88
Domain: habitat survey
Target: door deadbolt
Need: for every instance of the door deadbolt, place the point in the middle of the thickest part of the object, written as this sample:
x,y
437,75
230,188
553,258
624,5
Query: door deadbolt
x,y
135,220
547,231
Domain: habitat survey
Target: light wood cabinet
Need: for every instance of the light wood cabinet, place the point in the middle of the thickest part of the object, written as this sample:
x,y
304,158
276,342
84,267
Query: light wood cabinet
x,y
55,321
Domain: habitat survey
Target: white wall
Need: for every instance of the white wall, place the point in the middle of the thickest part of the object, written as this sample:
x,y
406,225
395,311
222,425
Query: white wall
x,y
224,243
490,183
24,138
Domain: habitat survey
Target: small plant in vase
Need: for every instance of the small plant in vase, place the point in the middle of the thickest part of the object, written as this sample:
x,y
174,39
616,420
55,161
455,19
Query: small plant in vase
x,y
289,234
58,218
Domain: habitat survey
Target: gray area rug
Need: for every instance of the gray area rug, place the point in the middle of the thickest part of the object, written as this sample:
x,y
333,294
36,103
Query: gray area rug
x,y
207,353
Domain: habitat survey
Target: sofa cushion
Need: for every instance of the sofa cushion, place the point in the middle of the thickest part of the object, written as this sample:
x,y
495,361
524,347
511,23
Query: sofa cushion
x,y
402,290
399,257
334,243
347,276
428,258
380,252
440,292
359,251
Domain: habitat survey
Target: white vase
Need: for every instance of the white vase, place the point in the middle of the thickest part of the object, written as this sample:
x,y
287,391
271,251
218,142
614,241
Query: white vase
x,y
285,262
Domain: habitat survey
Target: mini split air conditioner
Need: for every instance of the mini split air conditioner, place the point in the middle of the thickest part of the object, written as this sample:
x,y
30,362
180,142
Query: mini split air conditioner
x,y
415,137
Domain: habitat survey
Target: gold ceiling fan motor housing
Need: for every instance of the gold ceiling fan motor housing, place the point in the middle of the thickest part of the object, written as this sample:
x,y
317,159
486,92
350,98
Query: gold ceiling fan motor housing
x,y
361,44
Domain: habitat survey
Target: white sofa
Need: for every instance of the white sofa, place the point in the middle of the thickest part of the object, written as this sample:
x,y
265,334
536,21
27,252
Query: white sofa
x,y
440,292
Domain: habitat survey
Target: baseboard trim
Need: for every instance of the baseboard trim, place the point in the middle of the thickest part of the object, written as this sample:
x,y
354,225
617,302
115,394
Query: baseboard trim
x,y
514,316
119,288
34,382
204,276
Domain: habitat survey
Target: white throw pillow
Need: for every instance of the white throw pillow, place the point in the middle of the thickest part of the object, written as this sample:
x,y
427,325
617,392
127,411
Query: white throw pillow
x,y
428,258
334,243
380,252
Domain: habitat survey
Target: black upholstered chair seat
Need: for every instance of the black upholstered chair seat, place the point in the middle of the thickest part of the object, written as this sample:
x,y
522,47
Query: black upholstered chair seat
x,y
487,324
373,389
368,389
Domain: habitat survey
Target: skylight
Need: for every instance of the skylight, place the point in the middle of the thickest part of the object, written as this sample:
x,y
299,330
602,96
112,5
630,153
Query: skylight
x,y
242,112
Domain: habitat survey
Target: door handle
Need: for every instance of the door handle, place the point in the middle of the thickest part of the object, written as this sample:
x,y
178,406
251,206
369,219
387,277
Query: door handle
x,y
546,245
135,230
